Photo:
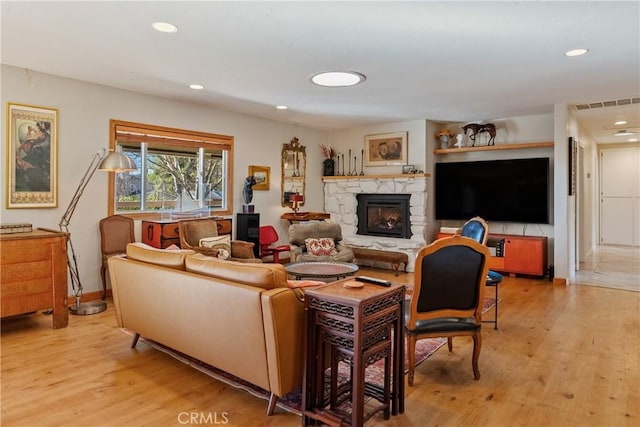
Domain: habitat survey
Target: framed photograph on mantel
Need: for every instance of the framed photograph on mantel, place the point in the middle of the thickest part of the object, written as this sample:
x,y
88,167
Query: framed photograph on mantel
x,y
385,149
32,156
261,175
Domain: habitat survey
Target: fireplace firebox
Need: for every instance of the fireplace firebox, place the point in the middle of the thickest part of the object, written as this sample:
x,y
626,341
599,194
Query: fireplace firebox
x,y
385,215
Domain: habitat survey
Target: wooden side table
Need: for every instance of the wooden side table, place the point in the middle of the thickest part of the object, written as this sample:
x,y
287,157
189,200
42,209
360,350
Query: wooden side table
x,y
359,326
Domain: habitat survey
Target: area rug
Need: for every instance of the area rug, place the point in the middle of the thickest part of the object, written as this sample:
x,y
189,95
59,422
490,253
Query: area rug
x,y
292,402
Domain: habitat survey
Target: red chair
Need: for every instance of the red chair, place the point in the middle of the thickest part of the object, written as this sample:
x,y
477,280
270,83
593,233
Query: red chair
x,y
268,236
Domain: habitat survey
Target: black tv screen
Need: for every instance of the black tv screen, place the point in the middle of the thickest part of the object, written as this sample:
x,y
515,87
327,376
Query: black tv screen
x,y
496,190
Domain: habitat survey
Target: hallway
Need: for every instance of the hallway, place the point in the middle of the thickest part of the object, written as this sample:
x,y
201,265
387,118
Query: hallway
x,y
611,267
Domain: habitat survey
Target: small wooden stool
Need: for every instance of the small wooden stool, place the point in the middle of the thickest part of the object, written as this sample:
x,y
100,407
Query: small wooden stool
x,y
393,258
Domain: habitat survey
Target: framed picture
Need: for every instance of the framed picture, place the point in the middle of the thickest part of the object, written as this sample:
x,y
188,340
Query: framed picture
x,y
32,156
261,175
406,169
385,149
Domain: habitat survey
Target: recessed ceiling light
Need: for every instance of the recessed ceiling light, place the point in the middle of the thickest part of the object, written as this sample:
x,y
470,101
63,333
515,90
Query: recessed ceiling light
x,y
196,87
576,52
338,78
281,107
633,139
623,133
620,122
164,27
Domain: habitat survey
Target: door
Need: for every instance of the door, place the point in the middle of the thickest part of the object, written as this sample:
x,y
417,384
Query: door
x,y
619,196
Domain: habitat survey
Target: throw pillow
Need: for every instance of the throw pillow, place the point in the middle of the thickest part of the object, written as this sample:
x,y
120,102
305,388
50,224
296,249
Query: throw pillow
x,y
221,243
323,246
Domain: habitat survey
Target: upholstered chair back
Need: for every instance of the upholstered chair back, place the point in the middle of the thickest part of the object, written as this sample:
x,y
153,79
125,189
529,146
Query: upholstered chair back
x,y
191,231
314,230
477,229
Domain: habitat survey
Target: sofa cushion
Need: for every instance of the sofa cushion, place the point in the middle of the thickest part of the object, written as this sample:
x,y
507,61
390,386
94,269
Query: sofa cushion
x,y
166,258
265,276
221,243
321,246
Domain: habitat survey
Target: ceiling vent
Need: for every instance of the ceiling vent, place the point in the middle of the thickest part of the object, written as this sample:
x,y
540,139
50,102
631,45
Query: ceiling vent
x,y
616,103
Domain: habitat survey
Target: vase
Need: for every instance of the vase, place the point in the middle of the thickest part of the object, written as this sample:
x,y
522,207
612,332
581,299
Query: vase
x,y
329,167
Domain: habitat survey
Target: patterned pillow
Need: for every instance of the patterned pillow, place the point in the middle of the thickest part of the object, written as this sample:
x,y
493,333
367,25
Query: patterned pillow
x,y
221,243
322,246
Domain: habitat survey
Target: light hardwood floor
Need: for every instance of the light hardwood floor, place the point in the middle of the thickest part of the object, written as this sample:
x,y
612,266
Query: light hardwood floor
x,y
563,356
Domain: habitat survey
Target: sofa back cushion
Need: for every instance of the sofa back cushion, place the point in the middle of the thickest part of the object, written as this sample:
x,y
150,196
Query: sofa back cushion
x,y
265,276
166,258
298,233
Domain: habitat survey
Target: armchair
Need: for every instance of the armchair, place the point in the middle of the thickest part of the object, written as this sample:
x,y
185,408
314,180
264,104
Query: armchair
x,y
299,233
191,231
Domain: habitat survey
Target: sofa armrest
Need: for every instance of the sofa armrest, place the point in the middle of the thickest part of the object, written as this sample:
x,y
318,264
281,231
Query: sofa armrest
x,y
283,317
295,252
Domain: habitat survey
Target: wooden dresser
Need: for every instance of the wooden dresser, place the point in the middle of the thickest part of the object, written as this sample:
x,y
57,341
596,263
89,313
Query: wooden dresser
x,y
34,274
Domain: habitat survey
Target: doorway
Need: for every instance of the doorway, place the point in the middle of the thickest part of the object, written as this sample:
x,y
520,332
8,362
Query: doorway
x,y
619,196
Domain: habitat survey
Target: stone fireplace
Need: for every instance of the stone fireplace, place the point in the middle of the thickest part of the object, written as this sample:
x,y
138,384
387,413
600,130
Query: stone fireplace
x,y
341,202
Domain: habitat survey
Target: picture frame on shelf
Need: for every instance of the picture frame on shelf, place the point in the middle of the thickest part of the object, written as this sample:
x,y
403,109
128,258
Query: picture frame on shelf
x,y
261,175
385,149
408,169
32,156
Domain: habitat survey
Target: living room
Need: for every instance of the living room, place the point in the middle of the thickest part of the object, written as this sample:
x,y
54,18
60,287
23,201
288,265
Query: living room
x,y
85,109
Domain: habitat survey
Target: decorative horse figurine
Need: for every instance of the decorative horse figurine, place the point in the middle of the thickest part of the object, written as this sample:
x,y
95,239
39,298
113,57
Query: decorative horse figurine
x,y
477,128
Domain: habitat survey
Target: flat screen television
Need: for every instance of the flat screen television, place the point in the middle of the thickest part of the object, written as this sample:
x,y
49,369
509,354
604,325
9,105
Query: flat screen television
x,y
514,190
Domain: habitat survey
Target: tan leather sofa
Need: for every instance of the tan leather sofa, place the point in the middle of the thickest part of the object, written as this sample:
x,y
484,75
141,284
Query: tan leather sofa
x,y
239,317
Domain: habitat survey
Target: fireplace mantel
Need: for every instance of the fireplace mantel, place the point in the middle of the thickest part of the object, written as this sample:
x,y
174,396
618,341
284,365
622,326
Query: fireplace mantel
x,y
340,202
386,176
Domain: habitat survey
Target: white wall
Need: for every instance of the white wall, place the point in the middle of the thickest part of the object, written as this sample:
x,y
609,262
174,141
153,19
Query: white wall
x,y
84,111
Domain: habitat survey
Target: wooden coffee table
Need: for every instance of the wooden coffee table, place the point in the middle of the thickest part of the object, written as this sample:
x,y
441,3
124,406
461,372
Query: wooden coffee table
x,y
321,270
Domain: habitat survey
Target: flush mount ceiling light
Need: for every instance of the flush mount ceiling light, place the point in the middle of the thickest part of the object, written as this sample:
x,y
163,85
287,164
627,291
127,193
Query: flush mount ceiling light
x,y
196,87
281,107
576,52
338,78
164,27
623,133
620,122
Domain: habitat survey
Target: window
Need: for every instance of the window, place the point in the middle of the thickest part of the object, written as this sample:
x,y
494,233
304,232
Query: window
x,y
179,171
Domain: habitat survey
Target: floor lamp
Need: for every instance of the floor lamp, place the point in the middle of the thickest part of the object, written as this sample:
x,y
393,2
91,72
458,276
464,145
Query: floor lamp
x,y
109,161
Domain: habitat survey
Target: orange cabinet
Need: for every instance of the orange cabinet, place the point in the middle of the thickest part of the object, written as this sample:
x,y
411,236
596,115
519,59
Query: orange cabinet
x,y
525,254
521,254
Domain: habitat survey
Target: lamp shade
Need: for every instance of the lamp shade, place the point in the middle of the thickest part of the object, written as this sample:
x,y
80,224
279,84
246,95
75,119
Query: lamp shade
x,y
117,162
296,198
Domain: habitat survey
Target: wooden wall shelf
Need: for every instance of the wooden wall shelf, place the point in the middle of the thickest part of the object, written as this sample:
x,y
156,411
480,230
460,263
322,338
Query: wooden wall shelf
x,y
494,147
